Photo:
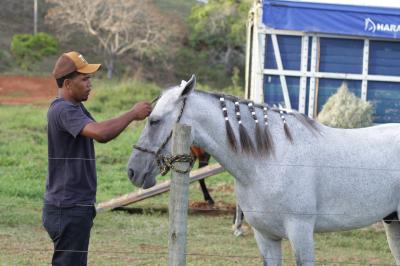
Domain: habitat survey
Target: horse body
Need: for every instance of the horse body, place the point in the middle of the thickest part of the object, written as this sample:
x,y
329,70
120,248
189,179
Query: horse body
x,y
326,180
338,177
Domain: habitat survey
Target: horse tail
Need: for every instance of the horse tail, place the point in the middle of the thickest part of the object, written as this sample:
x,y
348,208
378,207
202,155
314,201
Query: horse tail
x,y
269,143
231,136
228,127
245,141
261,144
285,127
266,135
307,122
287,132
264,140
260,139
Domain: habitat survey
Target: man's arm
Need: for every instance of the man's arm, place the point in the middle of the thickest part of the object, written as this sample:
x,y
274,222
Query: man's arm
x,y
107,130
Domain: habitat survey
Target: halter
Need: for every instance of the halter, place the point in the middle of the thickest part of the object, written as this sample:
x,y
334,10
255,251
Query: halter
x,y
166,162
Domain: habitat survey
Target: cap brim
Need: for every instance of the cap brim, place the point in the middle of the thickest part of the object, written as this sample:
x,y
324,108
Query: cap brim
x,y
89,68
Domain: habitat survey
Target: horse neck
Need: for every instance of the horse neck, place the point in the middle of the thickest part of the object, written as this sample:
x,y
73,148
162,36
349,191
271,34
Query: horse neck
x,y
287,132
205,116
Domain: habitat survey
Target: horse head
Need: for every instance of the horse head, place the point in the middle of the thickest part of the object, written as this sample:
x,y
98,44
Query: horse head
x,y
154,141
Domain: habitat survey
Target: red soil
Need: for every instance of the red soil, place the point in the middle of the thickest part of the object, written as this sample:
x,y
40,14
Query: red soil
x,y
15,90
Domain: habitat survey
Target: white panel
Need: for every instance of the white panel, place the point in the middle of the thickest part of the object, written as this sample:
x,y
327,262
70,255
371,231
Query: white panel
x,y
303,78
313,81
364,84
282,77
249,43
332,75
254,65
260,94
257,76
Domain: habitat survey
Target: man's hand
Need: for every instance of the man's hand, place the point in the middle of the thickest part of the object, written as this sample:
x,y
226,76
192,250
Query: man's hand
x,y
109,129
141,110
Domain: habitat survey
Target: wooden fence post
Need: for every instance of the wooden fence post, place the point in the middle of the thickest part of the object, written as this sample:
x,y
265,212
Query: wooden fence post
x,y
178,199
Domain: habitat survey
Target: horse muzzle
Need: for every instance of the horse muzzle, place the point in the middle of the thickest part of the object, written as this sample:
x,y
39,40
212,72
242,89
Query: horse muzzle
x,y
141,180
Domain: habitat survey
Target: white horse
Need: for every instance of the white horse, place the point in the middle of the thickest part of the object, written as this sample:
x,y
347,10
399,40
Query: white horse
x,y
294,178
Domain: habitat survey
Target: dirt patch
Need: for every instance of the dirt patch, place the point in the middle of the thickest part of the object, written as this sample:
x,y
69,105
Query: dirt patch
x,y
219,205
224,188
15,90
195,207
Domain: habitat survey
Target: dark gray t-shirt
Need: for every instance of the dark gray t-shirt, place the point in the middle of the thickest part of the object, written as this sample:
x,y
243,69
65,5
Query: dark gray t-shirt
x,y
71,173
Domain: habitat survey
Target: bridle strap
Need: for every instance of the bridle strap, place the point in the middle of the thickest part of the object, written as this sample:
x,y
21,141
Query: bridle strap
x,y
144,149
166,162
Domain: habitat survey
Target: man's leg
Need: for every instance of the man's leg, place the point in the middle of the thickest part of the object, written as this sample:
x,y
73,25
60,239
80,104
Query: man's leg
x,y
69,228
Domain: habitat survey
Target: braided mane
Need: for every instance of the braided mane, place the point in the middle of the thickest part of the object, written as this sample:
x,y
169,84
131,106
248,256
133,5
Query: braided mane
x,y
264,140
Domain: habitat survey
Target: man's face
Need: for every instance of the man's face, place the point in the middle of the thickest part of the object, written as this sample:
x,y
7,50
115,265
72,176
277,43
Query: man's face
x,y
79,87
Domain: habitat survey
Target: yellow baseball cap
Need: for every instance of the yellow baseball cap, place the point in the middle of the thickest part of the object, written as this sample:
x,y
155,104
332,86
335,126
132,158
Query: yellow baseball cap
x,y
73,61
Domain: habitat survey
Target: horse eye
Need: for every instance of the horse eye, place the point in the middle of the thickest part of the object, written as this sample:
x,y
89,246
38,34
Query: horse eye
x,y
154,122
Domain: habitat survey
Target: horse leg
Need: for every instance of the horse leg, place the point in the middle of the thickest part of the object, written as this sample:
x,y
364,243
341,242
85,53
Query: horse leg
x,y
206,194
300,235
203,161
393,238
270,249
237,221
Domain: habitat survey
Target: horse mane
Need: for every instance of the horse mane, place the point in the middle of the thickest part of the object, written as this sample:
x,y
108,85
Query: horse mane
x,y
263,137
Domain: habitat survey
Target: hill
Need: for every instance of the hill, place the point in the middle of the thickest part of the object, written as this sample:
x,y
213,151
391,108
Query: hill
x,y
17,17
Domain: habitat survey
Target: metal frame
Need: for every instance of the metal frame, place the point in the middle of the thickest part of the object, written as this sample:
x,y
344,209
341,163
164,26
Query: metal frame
x,y
313,76
280,69
256,74
249,48
303,74
364,84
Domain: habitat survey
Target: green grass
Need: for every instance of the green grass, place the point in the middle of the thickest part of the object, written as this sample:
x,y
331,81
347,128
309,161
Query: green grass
x,y
119,238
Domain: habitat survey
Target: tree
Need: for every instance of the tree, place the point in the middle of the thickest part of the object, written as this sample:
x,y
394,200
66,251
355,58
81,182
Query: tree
x,y
119,26
217,31
29,48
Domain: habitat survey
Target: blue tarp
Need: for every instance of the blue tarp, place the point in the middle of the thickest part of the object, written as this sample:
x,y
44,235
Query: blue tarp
x,y
381,22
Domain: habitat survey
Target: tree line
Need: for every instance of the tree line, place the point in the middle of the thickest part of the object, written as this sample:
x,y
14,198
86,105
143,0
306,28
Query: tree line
x,y
143,36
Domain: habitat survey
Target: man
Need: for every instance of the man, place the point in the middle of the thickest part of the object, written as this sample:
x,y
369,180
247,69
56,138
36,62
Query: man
x,y
70,195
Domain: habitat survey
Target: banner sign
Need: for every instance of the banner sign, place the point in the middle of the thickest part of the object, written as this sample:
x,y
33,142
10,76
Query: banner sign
x,y
321,16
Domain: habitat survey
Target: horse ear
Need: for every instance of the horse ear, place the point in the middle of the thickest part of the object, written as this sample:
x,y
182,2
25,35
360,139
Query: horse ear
x,y
189,86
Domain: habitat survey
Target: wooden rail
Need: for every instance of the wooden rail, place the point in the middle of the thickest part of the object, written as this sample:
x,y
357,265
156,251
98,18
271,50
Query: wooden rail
x,y
142,194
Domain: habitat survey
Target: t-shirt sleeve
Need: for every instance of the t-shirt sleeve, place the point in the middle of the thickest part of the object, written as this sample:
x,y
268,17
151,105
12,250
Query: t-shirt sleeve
x,y
73,119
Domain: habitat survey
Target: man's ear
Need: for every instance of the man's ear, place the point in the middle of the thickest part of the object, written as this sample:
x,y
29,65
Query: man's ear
x,y
189,86
66,83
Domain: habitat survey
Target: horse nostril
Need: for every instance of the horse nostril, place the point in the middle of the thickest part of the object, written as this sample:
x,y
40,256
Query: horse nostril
x,y
131,173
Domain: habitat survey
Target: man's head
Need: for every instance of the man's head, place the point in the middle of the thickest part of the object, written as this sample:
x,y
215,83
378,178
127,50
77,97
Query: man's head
x,y
71,62
71,72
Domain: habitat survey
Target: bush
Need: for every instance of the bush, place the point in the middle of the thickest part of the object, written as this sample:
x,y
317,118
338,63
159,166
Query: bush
x,y
28,49
5,61
345,110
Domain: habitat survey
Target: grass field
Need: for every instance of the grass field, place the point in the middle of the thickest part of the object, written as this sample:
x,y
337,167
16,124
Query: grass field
x,y
120,238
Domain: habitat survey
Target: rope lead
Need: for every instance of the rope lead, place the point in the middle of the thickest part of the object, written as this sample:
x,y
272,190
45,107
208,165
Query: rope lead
x,y
167,162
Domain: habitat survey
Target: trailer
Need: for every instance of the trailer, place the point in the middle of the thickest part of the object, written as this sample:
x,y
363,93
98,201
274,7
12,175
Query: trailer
x,y
300,51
